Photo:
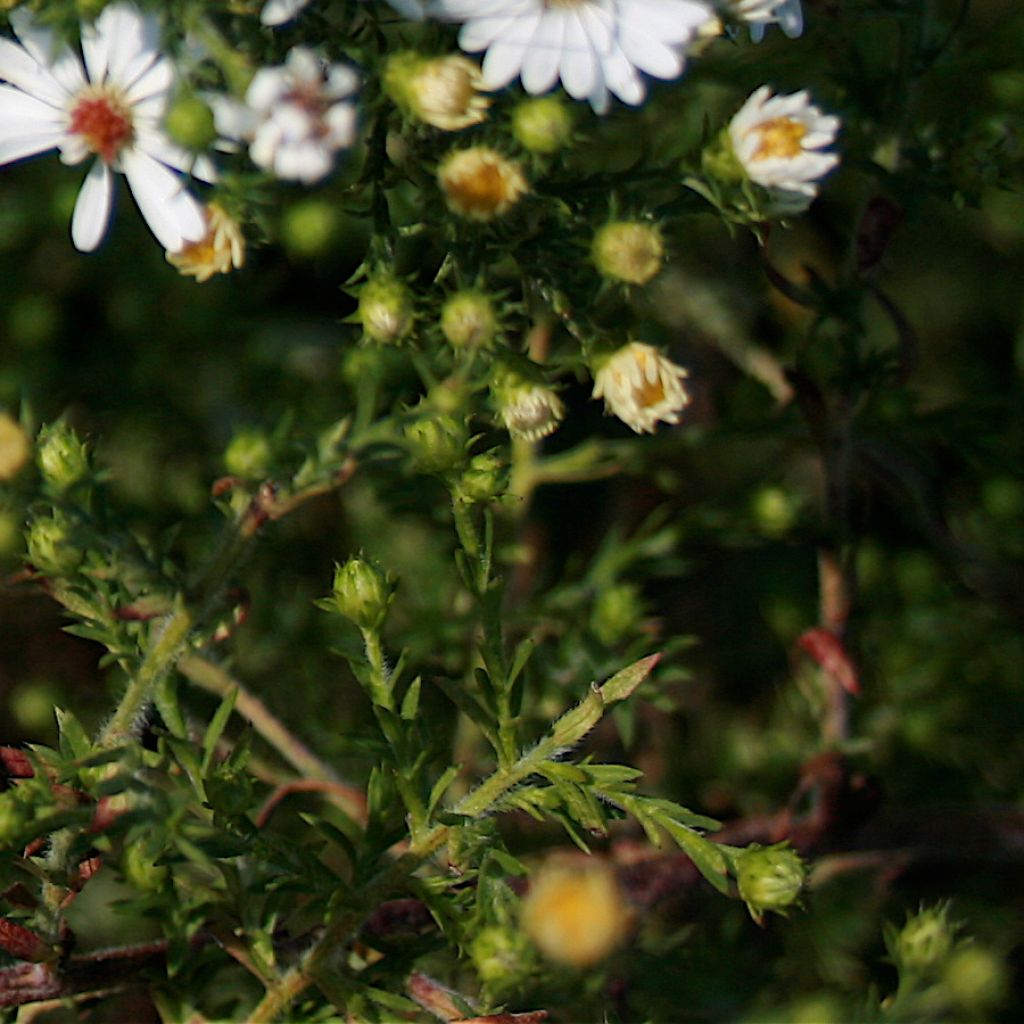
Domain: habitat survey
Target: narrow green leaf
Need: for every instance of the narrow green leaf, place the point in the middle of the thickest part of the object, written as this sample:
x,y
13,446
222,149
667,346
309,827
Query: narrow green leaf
x,y
707,858
411,700
74,742
622,684
440,787
216,728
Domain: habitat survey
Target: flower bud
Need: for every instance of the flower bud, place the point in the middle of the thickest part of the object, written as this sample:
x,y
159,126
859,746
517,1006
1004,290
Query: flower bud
x,y
14,447
769,878
63,459
615,612
575,912
248,454
189,122
542,125
485,478
438,443
926,940
141,869
529,410
362,593
976,979
385,309
629,251
444,92
309,227
468,320
49,545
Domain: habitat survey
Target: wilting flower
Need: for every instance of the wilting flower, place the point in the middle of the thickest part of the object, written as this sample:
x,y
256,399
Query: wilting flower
x,y
778,139
641,387
575,912
111,106
219,251
528,409
480,183
295,117
595,47
441,91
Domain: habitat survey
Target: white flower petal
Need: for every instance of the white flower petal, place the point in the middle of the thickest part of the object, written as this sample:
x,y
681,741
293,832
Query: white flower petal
x,y
16,145
277,12
540,63
130,40
92,208
172,213
19,68
47,51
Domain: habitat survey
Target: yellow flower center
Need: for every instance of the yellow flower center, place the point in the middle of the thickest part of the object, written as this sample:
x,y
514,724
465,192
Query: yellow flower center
x,y
780,137
481,183
104,121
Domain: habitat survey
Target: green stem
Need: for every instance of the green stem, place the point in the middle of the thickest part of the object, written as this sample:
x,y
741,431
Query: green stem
x,y
380,682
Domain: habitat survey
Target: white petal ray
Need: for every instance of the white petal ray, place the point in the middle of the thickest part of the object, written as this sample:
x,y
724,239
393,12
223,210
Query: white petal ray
x,y
173,215
540,64
21,70
47,51
28,142
132,41
92,208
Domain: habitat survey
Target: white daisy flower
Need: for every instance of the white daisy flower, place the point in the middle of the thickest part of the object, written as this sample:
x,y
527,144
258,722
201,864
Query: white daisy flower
x,y
778,141
787,14
111,107
277,12
641,387
295,117
595,47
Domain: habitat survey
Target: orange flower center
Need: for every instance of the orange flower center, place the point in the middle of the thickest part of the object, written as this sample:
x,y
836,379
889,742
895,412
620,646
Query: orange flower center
x,y
104,123
780,137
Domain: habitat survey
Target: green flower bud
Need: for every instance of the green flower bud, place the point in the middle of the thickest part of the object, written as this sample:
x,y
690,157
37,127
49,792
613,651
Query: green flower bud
x,y
468,320
976,979
438,443
14,447
926,940
769,878
141,870
362,593
63,459
309,227
385,309
542,125
189,122
50,548
615,612
774,510
248,454
485,478
529,410
629,251
719,160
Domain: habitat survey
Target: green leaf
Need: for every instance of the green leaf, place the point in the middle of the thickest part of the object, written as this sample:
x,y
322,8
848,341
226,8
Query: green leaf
x,y
441,787
411,700
74,742
216,728
707,858
623,683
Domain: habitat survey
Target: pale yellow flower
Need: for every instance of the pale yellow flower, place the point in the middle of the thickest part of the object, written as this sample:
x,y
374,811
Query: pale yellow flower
x,y
480,183
219,251
528,410
14,447
445,92
641,387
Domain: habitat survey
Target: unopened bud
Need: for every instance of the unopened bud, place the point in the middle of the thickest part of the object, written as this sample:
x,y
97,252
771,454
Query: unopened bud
x,y
63,459
769,878
385,309
189,122
14,447
629,251
615,612
468,320
362,593
485,478
976,979
438,443
499,955
141,870
926,940
50,548
542,125
309,227
248,454
445,92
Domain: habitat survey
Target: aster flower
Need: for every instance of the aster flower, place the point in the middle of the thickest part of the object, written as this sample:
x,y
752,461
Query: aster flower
x,y
641,387
110,106
278,12
595,47
219,251
778,141
444,92
295,117
787,14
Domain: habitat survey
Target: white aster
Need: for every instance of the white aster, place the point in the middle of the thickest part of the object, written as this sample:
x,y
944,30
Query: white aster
x,y
295,117
595,47
278,12
787,14
642,387
778,141
109,105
